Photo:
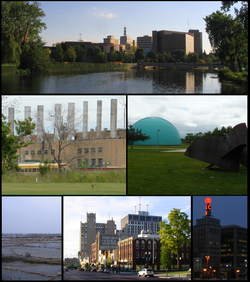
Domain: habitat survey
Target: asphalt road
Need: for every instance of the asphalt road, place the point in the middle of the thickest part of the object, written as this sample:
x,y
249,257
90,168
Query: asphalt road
x,y
88,275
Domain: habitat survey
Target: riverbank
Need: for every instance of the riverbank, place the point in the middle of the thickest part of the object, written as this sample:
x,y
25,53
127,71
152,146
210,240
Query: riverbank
x,y
10,69
239,78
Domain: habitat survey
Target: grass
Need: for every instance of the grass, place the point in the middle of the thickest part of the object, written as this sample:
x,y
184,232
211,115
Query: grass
x,y
152,172
63,189
240,78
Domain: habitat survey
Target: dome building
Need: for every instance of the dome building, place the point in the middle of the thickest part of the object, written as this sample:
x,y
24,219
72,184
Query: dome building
x,y
168,134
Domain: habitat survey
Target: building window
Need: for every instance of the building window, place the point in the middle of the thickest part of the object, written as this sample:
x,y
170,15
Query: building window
x,y
79,150
100,162
46,152
100,149
86,150
92,161
154,245
137,244
92,150
87,161
149,245
26,152
137,254
39,152
52,151
142,254
78,162
32,152
143,244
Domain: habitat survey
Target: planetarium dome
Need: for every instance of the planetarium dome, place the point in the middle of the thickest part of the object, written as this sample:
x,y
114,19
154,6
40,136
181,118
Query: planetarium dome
x,y
168,134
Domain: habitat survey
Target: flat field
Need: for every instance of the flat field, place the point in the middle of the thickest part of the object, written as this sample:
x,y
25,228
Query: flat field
x,y
63,188
153,171
31,257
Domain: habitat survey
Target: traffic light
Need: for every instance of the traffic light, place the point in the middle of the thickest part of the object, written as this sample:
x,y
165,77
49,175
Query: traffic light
x,y
197,265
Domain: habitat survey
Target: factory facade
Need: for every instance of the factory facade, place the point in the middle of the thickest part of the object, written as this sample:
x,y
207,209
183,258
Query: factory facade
x,y
99,148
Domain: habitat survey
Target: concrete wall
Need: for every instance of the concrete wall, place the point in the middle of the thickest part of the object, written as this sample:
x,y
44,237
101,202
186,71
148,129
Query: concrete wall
x,y
85,120
58,123
40,122
71,120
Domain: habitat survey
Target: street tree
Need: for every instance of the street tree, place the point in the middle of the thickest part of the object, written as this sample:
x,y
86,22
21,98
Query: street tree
x,y
180,55
70,55
175,232
136,135
59,52
11,143
112,56
166,257
64,121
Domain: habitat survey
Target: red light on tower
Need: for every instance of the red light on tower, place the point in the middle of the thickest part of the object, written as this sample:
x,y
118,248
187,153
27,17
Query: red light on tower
x,y
208,201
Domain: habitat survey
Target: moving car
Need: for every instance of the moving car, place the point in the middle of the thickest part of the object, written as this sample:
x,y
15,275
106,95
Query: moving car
x,y
146,272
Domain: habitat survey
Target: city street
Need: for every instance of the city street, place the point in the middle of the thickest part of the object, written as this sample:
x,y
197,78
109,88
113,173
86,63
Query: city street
x,y
88,275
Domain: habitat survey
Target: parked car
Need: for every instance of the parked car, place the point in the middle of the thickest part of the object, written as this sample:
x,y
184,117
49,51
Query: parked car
x,y
106,271
82,269
146,272
94,270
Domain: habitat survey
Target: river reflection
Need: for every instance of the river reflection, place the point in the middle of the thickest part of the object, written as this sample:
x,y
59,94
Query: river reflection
x,y
132,81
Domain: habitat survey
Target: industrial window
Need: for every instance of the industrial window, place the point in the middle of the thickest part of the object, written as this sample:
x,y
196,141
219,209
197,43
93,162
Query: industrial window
x,y
78,162
32,152
46,152
52,151
34,170
87,161
26,152
29,169
100,162
92,161
86,150
22,170
100,149
79,150
26,170
39,152
92,150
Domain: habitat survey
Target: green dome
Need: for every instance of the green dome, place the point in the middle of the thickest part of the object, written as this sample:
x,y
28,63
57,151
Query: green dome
x,y
168,135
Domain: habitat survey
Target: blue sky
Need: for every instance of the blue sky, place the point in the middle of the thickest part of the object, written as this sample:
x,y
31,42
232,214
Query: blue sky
x,y
97,19
31,214
106,208
229,209
189,113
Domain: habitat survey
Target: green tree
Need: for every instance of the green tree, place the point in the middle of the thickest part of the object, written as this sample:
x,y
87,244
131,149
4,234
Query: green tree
x,y
11,143
59,53
98,55
43,169
136,135
108,262
139,54
180,55
112,56
21,22
194,57
152,55
86,265
166,259
70,55
175,232
80,54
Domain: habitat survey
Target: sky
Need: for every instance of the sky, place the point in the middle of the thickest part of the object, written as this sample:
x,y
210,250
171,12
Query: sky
x,y
96,20
106,208
31,214
229,209
190,114
50,100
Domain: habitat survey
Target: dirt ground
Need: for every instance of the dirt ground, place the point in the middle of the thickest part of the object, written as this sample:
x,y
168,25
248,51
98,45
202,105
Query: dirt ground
x,y
31,257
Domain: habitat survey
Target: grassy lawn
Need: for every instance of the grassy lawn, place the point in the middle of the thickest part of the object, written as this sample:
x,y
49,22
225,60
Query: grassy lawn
x,y
63,189
153,172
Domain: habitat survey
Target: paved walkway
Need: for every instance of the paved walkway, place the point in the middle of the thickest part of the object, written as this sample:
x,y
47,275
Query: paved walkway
x,y
174,151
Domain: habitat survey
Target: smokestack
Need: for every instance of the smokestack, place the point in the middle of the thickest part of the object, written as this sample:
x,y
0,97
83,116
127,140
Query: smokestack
x,y
99,119
40,123
71,121
27,114
58,124
113,118
85,120
11,112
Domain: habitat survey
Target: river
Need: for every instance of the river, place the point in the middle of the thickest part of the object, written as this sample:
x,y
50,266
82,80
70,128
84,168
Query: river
x,y
131,81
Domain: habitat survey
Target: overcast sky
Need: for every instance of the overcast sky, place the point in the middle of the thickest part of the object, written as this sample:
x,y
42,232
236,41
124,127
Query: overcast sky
x,y
31,214
96,20
49,100
190,113
106,208
229,209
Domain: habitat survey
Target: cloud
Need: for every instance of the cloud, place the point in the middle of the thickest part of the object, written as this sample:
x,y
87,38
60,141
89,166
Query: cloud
x,y
106,14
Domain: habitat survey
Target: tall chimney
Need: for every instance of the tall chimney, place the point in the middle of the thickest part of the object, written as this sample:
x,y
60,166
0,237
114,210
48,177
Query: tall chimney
x,y
58,123
71,121
27,114
11,112
99,119
113,118
40,123
85,120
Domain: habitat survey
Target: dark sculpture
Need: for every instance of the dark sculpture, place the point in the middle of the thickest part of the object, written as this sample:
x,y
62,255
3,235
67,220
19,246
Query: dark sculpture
x,y
227,154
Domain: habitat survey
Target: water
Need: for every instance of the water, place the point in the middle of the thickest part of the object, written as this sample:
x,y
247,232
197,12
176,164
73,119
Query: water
x,y
132,81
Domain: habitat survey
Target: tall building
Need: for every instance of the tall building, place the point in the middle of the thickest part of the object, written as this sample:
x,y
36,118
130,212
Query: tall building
x,y
207,240
169,41
145,42
110,39
125,40
134,223
233,250
197,40
89,230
